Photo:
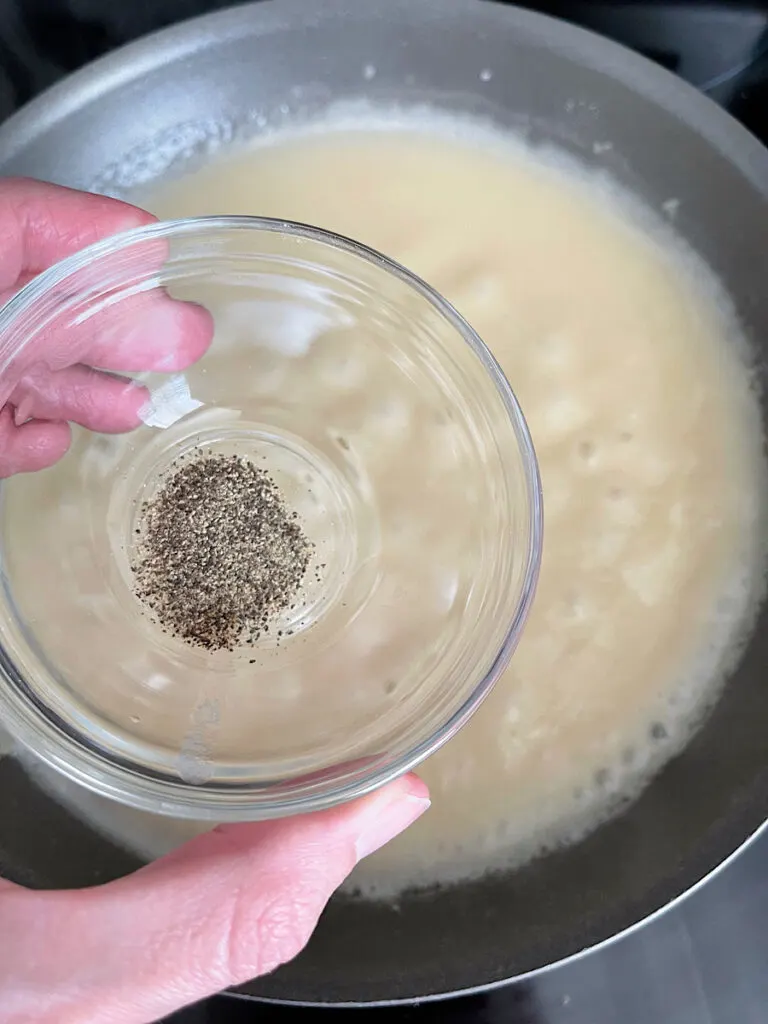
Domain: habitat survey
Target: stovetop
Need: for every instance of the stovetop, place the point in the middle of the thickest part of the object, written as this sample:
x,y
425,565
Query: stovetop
x,y
702,962
705,961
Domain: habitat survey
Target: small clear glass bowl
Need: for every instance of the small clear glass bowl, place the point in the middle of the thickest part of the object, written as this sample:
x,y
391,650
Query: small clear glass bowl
x,y
390,431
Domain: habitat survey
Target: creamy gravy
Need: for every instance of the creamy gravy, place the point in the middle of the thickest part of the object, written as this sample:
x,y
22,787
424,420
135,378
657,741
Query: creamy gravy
x,y
634,382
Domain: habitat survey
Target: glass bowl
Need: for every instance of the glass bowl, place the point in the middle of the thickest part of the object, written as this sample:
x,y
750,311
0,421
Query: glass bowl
x,y
357,398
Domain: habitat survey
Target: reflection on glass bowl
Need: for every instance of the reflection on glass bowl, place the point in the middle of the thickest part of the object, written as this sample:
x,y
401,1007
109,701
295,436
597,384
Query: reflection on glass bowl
x,y
393,438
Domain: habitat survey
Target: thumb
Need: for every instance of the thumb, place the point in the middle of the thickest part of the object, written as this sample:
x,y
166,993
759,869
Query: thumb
x,y
228,906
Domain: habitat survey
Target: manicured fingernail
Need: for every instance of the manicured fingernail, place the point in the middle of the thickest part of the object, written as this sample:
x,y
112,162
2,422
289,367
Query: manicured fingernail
x,y
384,823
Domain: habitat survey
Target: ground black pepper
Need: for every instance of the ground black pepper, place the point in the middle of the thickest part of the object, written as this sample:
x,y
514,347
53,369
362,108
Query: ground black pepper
x,y
219,555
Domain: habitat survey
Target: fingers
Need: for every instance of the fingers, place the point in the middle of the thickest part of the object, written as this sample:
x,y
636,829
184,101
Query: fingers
x,y
41,224
48,376
122,319
31,446
80,394
226,907
151,332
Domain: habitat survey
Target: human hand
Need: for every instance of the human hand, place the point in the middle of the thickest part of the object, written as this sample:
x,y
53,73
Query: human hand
x,y
234,903
227,907
53,382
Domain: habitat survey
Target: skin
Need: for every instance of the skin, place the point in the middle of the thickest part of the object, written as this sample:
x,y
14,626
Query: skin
x,y
232,904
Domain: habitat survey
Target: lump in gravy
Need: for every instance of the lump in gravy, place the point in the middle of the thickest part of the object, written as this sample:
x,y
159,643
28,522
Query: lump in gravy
x,y
635,384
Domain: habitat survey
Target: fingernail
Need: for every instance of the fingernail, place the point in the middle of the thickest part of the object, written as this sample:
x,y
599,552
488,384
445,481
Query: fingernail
x,y
21,411
134,218
384,823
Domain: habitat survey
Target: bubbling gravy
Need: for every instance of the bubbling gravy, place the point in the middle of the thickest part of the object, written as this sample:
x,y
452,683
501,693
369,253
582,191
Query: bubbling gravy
x,y
635,383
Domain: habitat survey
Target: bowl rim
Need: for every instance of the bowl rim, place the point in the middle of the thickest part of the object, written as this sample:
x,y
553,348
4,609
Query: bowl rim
x,y
38,728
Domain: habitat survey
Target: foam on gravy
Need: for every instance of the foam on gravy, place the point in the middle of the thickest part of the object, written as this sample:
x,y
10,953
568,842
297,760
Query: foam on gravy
x,y
634,379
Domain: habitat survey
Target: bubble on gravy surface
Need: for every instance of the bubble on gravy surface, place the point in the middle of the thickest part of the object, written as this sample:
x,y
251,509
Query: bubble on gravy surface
x,y
635,380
